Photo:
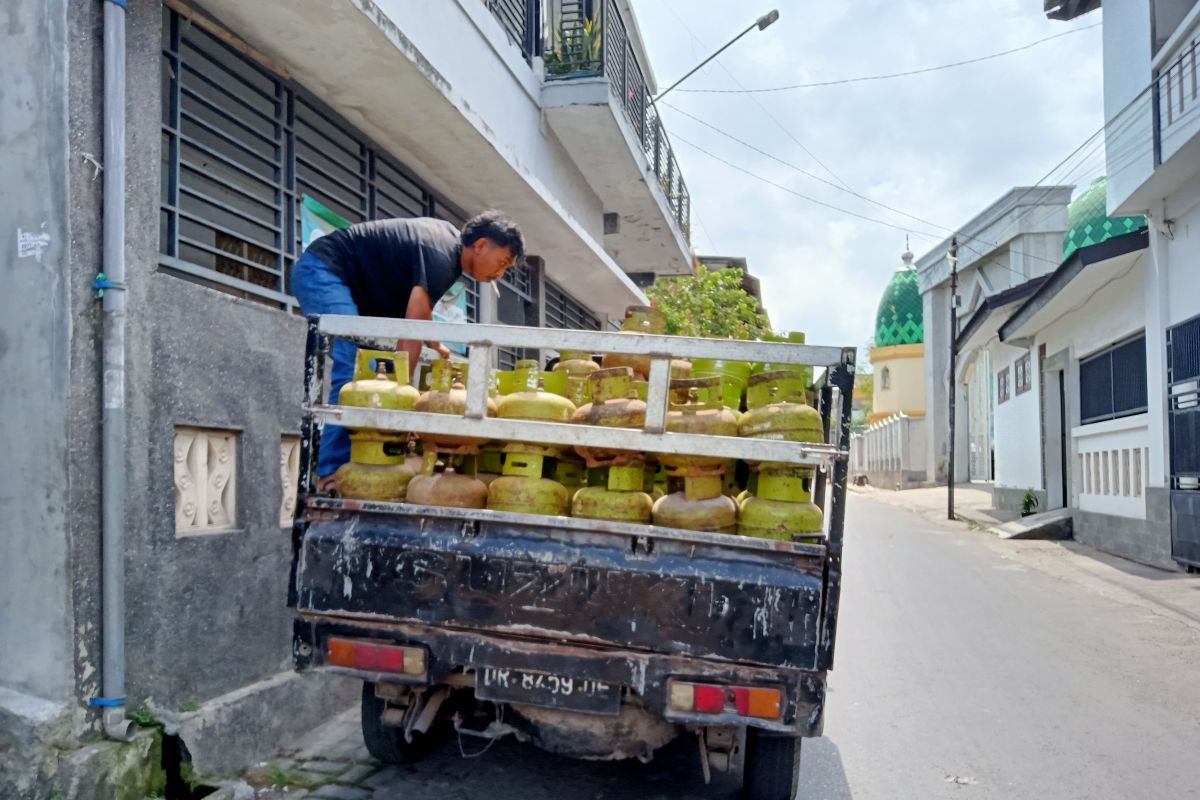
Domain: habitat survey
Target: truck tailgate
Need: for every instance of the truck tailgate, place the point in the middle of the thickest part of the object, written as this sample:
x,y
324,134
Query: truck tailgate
x,y
666,591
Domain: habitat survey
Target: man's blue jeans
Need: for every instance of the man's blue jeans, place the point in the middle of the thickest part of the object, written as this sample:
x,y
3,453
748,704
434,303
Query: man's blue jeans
x,y
320,290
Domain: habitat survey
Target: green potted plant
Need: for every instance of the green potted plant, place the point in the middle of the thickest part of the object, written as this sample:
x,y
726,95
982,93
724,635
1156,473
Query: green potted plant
x,y
576,50
1029,503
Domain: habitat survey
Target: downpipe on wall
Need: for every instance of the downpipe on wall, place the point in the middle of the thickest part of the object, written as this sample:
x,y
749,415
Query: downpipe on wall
x,y
111,284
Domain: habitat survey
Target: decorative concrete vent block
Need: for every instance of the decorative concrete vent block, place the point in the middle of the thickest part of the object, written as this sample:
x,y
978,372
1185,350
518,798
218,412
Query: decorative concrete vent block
x,y
205,481
289,477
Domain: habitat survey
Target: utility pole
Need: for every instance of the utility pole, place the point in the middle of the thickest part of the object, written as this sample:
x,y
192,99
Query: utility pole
x,y
953,259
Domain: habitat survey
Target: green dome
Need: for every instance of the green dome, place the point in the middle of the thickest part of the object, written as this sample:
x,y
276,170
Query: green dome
x,y
900,319
1088,224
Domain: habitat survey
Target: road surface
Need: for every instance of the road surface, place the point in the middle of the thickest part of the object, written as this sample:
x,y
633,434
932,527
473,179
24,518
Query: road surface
x,y
963,671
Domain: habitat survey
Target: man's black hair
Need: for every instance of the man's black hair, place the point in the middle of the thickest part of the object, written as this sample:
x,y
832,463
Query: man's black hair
x,y
497,227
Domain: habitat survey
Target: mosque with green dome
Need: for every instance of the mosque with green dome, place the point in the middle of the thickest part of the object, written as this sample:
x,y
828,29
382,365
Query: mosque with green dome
x,y
898,353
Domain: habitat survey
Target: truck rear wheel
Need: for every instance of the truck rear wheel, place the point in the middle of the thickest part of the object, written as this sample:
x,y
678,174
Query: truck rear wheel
x,y
772,770
386,742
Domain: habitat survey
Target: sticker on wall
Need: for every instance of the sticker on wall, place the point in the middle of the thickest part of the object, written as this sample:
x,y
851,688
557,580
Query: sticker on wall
x,y
316,220
31,244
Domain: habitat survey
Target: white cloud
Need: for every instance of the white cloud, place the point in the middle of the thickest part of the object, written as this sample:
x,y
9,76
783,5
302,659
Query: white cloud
x,y
941,146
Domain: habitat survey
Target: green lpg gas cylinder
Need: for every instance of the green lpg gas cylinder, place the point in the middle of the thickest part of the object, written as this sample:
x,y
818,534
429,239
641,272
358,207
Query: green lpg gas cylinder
x,y
619,500
781,509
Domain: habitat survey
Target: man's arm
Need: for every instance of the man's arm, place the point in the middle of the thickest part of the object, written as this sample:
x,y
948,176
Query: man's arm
x,y
419,307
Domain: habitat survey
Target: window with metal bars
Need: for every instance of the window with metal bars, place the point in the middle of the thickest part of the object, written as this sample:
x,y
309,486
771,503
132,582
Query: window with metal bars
x,y
564,311
1024,374
521,21
1112,383
241,146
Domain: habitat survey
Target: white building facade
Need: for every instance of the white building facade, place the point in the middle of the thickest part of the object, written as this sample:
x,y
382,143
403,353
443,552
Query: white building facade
x,y
1152,295
1004,253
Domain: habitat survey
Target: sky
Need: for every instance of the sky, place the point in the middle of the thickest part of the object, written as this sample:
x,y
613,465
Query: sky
x,y
941,146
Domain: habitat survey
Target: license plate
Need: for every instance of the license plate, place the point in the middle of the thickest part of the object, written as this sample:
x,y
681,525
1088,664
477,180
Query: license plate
x,y
547,690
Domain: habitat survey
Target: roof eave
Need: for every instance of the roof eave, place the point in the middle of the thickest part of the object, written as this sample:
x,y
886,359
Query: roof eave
x,y
994,303
1067,10
1066,272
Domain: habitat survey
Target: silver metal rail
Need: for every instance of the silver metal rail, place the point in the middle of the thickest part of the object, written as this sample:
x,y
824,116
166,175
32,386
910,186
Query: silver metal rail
x,y
377,331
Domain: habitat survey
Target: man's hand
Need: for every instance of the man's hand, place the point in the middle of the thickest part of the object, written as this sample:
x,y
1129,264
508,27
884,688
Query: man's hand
x,y
441,349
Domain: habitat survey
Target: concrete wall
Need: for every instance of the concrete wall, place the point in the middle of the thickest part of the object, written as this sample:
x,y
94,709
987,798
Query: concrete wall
x,y
212,607
1006,499
1017,423
935,303
35,612
905,392
1127,107
1145,540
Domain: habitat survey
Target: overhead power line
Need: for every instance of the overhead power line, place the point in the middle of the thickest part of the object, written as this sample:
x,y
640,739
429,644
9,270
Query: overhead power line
x,y
802,171
801,195
891,75
787,131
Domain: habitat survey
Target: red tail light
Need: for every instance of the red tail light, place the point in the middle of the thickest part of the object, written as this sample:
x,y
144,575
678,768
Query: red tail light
x,y
744,701
373,657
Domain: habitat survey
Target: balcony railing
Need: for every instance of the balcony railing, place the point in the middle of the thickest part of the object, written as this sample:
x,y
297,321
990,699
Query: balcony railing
x,y
1177,91
583,46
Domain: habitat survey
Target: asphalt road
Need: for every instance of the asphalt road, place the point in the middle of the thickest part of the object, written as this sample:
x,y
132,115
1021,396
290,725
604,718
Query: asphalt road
x,y
961,672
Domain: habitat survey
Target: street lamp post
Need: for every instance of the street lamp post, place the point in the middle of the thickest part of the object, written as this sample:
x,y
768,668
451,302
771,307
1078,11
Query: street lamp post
x,y
762,23
952,257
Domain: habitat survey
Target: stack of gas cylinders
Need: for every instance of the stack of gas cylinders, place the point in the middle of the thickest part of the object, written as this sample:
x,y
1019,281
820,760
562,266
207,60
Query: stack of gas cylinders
x,y
710,397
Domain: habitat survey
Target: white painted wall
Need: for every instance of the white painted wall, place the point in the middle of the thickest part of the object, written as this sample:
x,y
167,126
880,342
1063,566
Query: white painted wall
x,y
1127,45
937,364
1110,457
1172,295
1179,252
490,80
1109,315
1017,424
1112,313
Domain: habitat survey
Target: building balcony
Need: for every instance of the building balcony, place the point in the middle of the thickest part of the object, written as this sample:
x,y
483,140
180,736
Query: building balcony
x,y
1152,142
1177,89
598,101
447,93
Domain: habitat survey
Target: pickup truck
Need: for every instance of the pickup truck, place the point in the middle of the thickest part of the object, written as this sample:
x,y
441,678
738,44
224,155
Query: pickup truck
x,y
594,639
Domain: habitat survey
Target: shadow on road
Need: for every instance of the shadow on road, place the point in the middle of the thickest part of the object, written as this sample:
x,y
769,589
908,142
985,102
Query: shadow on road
x,y
513,771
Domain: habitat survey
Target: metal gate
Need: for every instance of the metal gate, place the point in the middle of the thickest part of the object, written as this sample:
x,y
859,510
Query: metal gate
x,y
1183,409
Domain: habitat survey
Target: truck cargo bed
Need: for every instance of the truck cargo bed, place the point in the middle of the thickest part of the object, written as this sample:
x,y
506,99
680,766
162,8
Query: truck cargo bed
x,y
683,593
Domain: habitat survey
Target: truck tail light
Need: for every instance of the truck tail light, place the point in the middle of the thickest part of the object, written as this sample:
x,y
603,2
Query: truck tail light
x,y
706,698
372,657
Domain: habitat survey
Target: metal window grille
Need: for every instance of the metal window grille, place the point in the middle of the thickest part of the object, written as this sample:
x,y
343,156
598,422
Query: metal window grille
x,y
564,311
1183,398
521,19
1002,387
240,147
1112,383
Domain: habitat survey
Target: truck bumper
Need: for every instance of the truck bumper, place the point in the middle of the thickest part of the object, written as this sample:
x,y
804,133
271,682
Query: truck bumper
x,y
642,673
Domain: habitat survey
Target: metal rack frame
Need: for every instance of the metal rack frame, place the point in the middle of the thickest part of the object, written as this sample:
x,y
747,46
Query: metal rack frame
x,y
835,396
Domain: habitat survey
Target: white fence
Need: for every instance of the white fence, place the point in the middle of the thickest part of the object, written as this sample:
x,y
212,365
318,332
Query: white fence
x,y
891,452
